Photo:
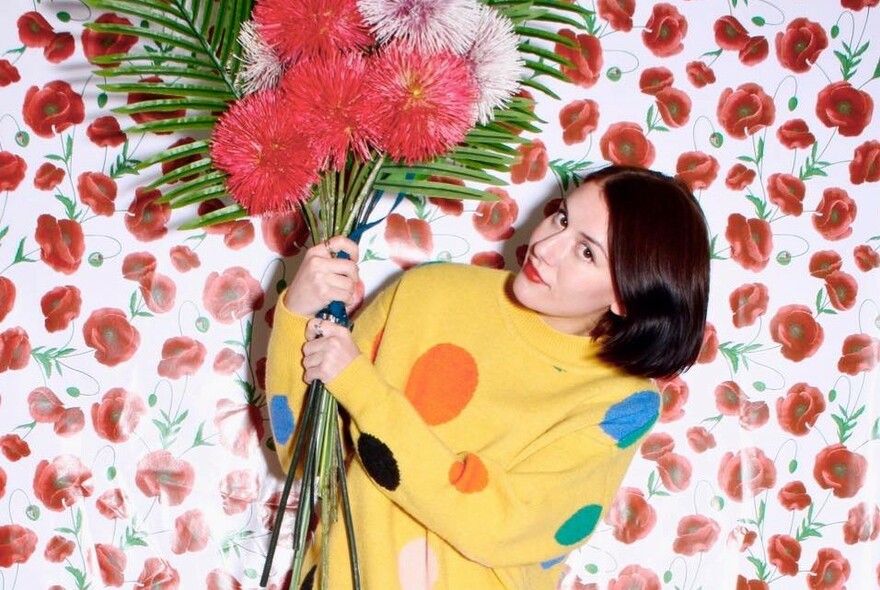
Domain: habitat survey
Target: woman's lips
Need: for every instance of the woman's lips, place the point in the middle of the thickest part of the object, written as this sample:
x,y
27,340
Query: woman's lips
x,y
531,273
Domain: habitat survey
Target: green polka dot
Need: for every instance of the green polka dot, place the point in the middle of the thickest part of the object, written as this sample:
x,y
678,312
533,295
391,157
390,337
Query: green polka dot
x,y
579,526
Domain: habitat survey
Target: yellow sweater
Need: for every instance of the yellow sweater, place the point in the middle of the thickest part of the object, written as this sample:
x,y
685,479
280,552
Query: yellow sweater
x,y
488,444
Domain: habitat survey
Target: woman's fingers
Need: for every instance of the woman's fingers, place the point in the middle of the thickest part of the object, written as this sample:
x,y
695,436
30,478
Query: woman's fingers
x,y
328,350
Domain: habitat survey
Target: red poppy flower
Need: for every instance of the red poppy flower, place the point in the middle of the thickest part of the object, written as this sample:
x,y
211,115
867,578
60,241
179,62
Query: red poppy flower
x,y
695,534
797,331
730,34
8,73
60,47
15,349
117,415
753,414
699,74
835,214
697,170
709,347
70,422
34,30
746,110
98,44
61,243
191,532
184,259
14,447
48,176
754,51
748,302
108,331
240,427
741,538
157,573
44,406
653,80
138,266
181,355
586,58
674,106
861,524
7,297
98,191
625,143
488,260
62,482
410,241
454,207
749,470
842,290
618,13
531,163
787,192
160,475
795,134
656,445
578,119
859,4
865,165
217,579
111,564
665,30
800,45
52,108
784,551
232,295
699,439
2,487
847,108
227,361
840,470
824,262
169,166
58,549
751,241
739,177
284,233
12,170
630,515
146,219
239,234
860,353
113,504
239,489
105,132
494,220
831,569
793,496
158,291
674,394
152,116
17,543
675,471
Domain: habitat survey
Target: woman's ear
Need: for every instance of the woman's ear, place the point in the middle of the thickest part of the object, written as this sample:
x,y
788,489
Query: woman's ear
x,y
617,309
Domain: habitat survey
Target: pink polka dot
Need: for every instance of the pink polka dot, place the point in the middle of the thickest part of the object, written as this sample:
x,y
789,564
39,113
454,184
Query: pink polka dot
x,y
417,566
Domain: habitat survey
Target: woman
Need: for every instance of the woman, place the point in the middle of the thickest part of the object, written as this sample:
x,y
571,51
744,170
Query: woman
x,y
494,416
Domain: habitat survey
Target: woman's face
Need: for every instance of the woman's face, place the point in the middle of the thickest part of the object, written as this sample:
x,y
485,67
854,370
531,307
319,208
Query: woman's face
x,y
566,276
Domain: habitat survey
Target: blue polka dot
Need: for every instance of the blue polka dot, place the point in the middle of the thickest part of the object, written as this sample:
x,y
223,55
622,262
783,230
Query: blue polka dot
x,y
579,525
628,420
552,562
282,419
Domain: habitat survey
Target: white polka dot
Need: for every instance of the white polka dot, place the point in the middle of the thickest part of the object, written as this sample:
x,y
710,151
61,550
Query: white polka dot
x,y
417,566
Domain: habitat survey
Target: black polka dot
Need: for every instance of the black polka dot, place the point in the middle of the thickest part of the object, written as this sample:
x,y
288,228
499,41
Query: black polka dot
x,y
379,461
309,580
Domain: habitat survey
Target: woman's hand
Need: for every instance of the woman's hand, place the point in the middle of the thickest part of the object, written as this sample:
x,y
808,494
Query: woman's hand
x,y
322,278
329,349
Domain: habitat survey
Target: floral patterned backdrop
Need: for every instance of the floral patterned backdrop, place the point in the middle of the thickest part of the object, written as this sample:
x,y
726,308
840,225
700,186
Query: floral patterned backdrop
x,y
135,444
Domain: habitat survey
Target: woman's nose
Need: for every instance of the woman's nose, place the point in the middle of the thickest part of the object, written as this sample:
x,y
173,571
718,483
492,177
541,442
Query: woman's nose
x,y
549,249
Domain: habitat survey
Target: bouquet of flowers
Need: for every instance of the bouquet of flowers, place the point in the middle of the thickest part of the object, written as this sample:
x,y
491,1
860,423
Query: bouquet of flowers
x,y
321,107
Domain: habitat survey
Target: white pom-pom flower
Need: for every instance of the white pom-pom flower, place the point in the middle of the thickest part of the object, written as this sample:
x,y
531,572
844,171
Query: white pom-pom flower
x,y
428,26
498,66
261,69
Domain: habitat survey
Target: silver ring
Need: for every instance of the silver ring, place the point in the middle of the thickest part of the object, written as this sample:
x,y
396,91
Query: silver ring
x,y
319,332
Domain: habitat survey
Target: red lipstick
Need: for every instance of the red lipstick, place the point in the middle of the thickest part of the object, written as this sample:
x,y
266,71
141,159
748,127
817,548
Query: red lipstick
x,y
531,273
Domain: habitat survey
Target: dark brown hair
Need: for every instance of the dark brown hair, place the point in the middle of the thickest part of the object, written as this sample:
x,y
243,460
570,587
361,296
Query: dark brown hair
x,y
659,256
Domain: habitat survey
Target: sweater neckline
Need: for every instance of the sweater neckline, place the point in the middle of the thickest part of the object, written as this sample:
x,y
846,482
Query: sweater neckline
x,y
568,349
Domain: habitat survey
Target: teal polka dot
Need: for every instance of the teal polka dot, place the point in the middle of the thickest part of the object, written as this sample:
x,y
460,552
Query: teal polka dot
x,y
281,418
627,420
579,526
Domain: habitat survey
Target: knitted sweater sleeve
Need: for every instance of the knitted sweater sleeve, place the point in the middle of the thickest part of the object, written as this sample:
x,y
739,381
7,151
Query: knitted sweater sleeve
x,y
502,516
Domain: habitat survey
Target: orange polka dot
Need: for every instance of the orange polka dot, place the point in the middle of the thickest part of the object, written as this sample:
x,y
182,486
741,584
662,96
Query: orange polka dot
x,y
441,383
377,340
469,475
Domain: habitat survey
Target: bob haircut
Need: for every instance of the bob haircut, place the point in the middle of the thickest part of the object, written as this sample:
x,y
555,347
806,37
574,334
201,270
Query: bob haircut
x,y
659,255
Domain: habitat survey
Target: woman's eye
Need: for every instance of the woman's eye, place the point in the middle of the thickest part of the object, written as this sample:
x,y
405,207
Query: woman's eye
x,y
587,253
561,218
